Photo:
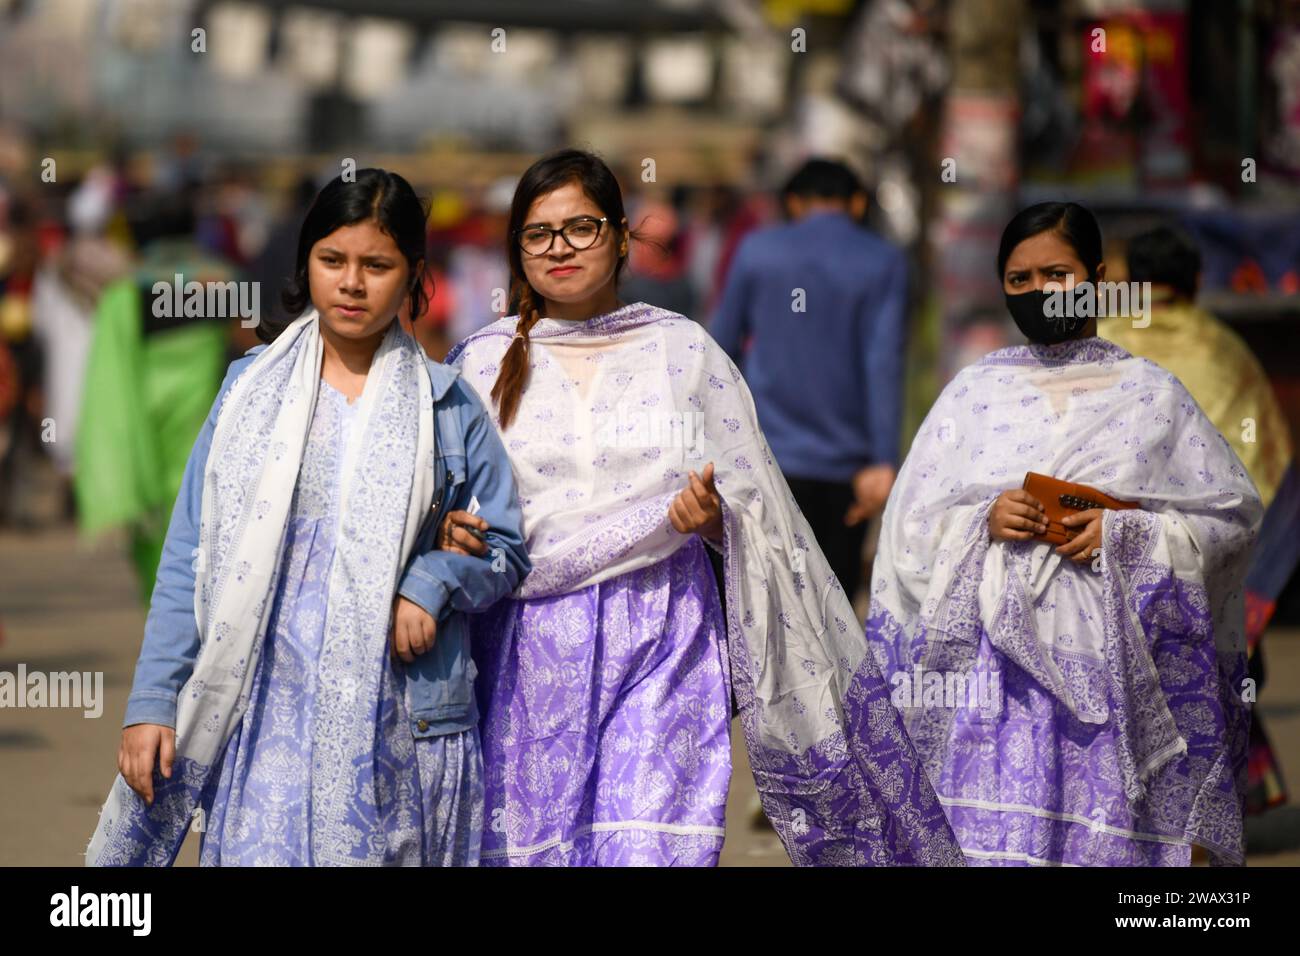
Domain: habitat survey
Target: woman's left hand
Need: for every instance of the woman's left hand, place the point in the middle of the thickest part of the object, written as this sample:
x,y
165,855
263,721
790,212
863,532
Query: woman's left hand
x,y
413,631
698,509
1079,548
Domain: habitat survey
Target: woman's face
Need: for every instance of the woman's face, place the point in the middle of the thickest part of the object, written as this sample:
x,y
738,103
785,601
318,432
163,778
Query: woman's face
x,y
564,274
358,279
1041,259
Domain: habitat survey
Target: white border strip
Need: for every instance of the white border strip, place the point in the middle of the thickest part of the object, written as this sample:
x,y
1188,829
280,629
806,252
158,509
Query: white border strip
x,y
680,829
1064,817
1017,857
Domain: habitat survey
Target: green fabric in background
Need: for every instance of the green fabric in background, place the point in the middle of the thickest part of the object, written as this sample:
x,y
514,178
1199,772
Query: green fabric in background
x,y
145,400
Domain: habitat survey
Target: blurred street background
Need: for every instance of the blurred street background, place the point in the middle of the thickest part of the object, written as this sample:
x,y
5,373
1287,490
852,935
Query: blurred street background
x,y
142,137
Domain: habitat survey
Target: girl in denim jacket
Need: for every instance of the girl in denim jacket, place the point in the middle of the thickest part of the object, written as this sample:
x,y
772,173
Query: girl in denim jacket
x,y
305,693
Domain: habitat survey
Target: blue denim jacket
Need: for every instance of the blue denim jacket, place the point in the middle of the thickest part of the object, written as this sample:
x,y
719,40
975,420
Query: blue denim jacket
x,y
470,462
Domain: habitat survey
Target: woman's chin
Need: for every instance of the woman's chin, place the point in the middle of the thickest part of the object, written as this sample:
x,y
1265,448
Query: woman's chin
x,y
564,293
562,296
355,328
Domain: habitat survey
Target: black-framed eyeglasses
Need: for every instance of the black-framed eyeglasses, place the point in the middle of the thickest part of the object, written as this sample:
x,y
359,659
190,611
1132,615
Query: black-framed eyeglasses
x,y
579,234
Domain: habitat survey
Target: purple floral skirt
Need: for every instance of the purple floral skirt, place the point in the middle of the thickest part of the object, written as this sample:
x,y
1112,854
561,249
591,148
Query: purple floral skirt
x,y
606,721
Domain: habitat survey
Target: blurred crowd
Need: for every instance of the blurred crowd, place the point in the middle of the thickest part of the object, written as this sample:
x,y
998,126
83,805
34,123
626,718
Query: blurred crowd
x,y
65,246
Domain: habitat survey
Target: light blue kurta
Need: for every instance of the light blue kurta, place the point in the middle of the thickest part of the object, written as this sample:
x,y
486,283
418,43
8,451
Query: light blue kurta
x,y
261,814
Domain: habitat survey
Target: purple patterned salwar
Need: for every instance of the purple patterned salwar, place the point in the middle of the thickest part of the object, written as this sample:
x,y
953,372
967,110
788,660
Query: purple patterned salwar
x,y
606,716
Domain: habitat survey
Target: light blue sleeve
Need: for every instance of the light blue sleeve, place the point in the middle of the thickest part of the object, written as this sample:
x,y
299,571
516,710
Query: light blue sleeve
x,y
442,581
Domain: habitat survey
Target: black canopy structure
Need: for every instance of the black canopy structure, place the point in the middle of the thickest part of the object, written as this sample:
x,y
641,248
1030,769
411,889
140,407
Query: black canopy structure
x,y
622,16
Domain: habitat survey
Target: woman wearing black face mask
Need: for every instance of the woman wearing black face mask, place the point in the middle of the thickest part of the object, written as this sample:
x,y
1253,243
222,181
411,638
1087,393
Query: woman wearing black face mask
x,y
1048,251
1082,702
1046,254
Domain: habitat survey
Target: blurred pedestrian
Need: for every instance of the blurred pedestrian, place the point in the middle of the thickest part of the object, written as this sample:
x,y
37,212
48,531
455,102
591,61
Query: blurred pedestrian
x,y
150,378
815,314
22,447
475,266
64,296
1230,385
656,267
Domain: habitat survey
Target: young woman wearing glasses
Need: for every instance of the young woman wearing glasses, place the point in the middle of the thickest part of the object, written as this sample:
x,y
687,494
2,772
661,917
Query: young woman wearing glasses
x,y
607,678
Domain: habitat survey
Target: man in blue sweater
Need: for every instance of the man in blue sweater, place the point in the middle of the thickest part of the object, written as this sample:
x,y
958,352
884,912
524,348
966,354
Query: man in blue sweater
x,y
814,314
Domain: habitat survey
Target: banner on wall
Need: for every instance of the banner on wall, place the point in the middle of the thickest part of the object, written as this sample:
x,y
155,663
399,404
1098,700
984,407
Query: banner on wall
x,y
1136,105
1284,71
979,170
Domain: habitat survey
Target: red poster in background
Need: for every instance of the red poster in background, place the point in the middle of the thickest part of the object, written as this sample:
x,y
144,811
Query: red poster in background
x,y
1136,104
1284,69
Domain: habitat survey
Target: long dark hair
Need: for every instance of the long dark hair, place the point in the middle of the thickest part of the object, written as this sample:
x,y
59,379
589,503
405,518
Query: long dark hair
x,y
375,194
545,176
1075,224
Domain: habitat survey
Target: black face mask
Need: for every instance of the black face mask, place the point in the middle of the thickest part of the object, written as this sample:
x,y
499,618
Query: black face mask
x,y
1029,309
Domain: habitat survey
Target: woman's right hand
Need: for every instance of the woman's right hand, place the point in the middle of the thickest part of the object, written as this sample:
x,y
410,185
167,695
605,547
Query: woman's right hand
x,y
141,745
454,534
1016,515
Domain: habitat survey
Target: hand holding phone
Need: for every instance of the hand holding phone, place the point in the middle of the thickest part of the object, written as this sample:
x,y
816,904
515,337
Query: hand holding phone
x,y
473,509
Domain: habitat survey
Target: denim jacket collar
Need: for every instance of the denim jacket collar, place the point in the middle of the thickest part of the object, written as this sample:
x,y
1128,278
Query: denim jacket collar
x,y
441,378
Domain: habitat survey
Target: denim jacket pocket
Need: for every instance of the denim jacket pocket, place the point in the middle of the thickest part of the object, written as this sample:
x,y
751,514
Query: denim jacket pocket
x,y
440,683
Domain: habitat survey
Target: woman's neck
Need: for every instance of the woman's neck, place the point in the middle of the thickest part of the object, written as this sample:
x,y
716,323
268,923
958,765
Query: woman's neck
x,y
606,300
351,356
